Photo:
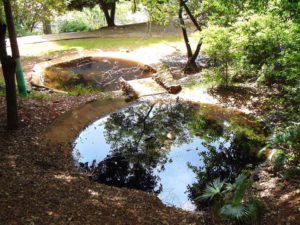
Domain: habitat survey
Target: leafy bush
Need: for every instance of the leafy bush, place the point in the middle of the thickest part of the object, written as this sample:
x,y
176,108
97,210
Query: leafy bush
x,y
284,150
262,48
217,45
267,49
73,26
87,19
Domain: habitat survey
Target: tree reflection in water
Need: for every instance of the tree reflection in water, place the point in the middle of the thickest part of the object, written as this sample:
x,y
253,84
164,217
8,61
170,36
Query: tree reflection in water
x,y
141,138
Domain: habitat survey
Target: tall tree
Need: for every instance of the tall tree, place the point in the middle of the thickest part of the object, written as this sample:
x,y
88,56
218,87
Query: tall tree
x,y
14,47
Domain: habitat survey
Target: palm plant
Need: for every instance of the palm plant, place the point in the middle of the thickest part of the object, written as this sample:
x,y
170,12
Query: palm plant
x,y
213,190
228,197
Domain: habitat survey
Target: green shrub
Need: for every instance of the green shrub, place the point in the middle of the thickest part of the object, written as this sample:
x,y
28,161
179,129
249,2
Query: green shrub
x,y
87,19
284,150
217,45
73,26
267,49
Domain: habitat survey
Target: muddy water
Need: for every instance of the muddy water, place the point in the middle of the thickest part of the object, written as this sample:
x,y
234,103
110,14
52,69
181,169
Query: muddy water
x,y
99,73
171,149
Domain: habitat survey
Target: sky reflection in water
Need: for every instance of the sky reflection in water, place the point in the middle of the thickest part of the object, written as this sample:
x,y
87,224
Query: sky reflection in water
x,y
148,147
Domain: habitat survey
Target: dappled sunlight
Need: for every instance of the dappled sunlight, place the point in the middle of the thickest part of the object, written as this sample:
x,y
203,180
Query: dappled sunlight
x,y
197,95
145,49
40,49
93,193
65,177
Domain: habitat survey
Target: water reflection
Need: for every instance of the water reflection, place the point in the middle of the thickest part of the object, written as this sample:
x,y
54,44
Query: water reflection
x,y
149,147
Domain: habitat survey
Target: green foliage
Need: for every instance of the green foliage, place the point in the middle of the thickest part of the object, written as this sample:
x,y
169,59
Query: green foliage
x,y
284,150
84,20
28,13
73,26
81,90
265,48
247,213
38,95
289,141
2,86
159,11
290,137
212,191
217,45
228,200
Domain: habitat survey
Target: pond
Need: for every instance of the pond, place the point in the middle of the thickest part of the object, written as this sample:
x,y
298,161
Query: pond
x,y
172,149
97,73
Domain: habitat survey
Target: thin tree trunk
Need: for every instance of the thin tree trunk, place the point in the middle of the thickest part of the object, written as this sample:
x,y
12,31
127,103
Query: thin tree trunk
x,y
191,66
9,69
184,31
188,11
47,27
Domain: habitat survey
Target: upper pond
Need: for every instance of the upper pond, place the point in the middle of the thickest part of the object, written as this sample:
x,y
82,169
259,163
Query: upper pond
x,y
171,149
99,73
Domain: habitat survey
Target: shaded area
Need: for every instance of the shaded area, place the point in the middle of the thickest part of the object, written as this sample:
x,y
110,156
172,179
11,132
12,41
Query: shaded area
x,y
153,146
98,73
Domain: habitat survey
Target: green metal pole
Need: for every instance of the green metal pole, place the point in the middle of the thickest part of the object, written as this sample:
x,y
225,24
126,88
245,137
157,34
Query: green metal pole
x,y
20,78
14,47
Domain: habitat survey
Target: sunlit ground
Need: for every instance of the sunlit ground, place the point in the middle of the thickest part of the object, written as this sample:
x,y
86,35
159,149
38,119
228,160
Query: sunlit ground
x,y
145,50
100,44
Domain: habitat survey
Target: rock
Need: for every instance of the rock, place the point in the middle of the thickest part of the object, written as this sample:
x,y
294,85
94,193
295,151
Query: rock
x,y
165,79
127,89
257,186
174,89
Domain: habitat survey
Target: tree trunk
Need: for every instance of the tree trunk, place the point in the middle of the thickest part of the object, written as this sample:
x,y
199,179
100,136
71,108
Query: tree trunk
x,y
9,69
191,66
47,27
109,10
14,47
112,14
184,31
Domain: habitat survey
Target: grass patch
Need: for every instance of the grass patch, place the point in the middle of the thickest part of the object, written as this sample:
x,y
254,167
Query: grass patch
x,y
2,87
82,90
39,95
105,44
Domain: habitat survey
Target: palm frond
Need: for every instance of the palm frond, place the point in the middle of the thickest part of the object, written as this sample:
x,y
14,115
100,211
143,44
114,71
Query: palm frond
x,y
238,212
230,187
242,184
212,190
240,179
